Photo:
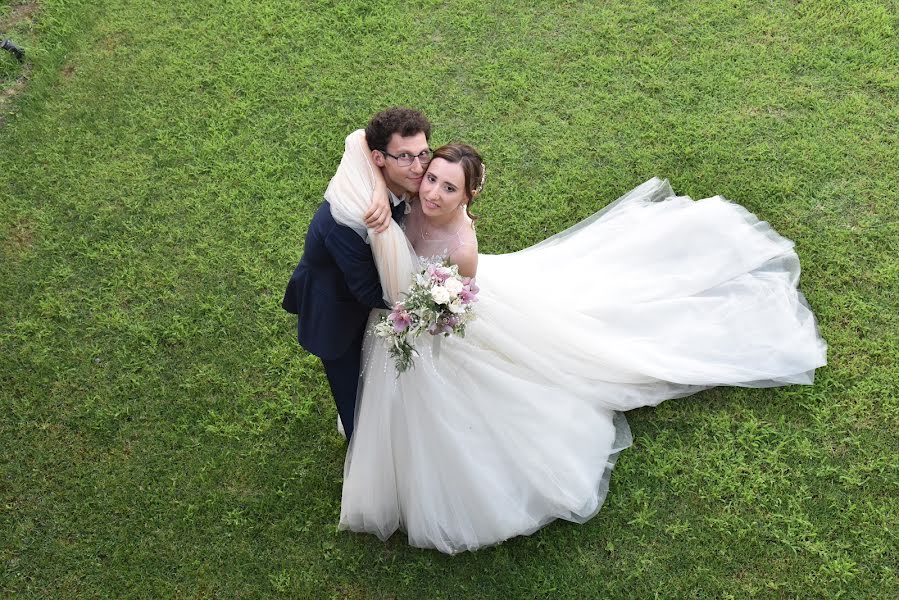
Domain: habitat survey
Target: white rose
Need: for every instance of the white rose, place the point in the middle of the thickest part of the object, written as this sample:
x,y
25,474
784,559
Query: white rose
x,y
440,295
453,286
456,307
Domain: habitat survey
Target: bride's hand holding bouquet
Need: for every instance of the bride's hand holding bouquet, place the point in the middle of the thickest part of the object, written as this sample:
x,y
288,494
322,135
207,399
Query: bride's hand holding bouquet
x,y
439,302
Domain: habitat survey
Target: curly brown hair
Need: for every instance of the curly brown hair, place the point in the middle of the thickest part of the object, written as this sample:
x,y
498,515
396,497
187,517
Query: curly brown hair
x,y
404,121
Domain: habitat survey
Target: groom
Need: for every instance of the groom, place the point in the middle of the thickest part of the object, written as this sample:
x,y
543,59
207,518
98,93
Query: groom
x,y
336,284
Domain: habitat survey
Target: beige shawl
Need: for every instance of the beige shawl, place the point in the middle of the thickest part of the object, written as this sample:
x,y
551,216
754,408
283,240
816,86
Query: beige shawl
x,y
349,195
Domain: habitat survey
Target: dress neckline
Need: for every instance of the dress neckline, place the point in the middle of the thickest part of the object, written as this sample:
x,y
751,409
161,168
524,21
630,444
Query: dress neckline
x,y
425,236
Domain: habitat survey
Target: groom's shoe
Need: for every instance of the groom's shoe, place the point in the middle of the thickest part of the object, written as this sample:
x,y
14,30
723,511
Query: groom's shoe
x,y
340,427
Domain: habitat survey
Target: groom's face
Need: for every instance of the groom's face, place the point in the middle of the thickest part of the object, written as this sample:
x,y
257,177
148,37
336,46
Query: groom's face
x,y
403,179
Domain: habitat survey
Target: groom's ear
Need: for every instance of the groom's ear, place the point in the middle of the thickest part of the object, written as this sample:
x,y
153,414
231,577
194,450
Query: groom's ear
x,y
377,158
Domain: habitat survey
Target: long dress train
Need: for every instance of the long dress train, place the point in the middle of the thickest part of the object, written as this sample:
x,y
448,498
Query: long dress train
x,y
498,433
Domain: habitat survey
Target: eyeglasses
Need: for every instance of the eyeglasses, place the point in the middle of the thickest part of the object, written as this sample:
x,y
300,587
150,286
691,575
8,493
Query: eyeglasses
x,y
405,159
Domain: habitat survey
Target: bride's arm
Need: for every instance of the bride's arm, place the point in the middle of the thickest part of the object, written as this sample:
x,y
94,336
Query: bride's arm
x,y
378,215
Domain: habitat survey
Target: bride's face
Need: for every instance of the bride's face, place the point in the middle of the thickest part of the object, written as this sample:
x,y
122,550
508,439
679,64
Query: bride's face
x,y
442,189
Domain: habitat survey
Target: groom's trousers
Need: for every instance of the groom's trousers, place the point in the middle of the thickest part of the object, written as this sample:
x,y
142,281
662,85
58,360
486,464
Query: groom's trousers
x,y
343,374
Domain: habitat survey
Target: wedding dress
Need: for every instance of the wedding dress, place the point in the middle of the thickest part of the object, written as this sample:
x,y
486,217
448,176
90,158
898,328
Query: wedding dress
x,y
519,423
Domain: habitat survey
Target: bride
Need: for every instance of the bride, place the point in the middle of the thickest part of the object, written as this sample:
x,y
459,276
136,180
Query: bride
x,y
519,423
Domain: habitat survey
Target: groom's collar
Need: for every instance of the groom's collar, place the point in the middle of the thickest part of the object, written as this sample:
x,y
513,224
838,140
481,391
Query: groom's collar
x,y
396,200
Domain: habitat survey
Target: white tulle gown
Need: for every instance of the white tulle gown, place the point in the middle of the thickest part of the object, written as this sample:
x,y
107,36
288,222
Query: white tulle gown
x,y
496,434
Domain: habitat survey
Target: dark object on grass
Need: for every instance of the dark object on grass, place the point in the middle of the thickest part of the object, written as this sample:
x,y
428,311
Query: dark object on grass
x,y
18,52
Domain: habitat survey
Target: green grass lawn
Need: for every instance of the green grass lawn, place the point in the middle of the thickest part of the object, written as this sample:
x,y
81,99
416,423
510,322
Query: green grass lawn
x,y
163,434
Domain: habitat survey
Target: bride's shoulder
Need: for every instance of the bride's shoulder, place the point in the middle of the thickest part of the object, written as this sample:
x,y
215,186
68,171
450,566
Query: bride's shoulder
x,y
466,258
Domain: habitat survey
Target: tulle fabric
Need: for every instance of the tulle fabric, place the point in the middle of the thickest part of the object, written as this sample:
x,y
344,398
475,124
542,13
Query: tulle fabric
x,y
349,195
498,433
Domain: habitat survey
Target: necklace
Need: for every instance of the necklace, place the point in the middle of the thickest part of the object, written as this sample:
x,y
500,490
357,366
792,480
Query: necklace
x,y
422,232
426,235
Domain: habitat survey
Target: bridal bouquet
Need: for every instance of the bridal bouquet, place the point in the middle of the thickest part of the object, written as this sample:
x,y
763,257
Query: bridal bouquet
x,y
439,302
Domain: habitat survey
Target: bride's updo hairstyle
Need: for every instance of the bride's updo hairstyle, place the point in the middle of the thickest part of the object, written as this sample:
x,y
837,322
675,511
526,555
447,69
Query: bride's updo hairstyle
x,y
472,166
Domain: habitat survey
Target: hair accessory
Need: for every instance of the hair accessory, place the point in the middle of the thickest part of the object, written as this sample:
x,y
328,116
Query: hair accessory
x,y
480,187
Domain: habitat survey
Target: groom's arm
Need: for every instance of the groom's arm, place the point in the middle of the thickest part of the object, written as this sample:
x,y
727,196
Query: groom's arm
x,y
355,261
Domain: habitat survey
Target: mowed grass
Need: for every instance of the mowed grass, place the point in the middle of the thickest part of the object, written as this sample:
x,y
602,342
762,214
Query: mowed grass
x,y
162,433
16,26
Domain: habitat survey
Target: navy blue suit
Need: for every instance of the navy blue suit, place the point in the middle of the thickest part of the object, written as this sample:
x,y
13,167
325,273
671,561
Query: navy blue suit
x,y
332,291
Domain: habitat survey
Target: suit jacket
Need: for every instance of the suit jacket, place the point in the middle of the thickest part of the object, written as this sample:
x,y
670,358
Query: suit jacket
x,y
334,287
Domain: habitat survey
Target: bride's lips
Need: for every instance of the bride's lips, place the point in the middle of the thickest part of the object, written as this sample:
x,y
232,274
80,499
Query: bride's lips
x,y
431,205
